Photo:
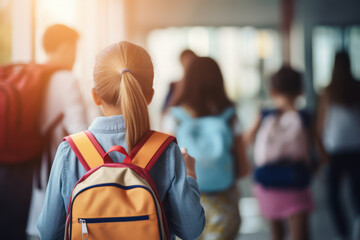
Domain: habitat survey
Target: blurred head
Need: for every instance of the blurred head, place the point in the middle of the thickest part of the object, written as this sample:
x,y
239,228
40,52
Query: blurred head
x,y
186,57
285,86
130,92
59,42
202,89
343,88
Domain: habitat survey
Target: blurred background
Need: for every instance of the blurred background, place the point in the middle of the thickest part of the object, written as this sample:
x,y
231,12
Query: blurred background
x,y
250,39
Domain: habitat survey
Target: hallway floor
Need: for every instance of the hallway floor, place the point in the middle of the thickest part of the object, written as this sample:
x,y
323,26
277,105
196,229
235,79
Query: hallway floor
x,y
255,228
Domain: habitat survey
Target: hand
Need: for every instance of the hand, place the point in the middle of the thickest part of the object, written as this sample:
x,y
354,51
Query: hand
x,y
244,169
189,163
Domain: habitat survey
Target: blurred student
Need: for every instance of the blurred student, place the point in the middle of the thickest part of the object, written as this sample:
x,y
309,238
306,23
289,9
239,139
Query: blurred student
x,y
186,57
204,121
63,110
38,103
339,120
123,88
281,153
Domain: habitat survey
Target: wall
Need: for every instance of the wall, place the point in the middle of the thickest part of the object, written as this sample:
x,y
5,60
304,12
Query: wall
x,y
144,15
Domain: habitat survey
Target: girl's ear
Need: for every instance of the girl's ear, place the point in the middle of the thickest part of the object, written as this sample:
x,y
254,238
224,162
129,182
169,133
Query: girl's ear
x,y
97,100
152,95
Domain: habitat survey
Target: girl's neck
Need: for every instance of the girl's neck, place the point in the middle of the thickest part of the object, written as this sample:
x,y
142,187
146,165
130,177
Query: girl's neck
x,y
109,110
287,107
284,103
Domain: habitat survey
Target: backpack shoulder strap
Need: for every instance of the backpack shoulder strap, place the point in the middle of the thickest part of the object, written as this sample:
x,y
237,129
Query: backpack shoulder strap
x,y
268,112
228,113
149,149
180,113
87,149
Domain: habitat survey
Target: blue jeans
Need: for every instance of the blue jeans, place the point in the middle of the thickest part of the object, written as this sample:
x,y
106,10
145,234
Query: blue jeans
x,y
343,164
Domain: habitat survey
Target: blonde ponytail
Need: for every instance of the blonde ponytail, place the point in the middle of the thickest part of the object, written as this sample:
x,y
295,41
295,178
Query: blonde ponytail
x,y
129,90
134,108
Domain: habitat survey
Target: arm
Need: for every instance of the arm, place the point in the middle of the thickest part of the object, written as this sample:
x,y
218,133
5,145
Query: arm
x,y
185,214
242,166
322,112
249,136
241,161
51,222
323,156
318,128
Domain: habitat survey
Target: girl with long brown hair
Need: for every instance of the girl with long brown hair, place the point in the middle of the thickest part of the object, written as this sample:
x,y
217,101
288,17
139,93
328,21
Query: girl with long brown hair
x,y
203,119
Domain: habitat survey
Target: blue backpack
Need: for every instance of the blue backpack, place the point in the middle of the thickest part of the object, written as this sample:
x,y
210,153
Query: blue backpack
x,y
209,140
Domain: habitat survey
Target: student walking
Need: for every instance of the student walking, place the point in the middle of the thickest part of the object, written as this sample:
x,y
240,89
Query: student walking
x,y
62,105
281,154
39,104
339,117
203,119
123,79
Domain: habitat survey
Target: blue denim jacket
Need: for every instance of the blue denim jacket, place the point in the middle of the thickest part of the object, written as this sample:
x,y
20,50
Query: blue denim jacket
x,y
180,194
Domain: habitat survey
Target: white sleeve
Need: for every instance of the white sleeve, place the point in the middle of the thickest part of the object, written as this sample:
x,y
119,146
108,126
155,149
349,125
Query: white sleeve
x,y
75,119
63,97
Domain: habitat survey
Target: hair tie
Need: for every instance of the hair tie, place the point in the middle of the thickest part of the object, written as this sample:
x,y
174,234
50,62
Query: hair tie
x,y
124,70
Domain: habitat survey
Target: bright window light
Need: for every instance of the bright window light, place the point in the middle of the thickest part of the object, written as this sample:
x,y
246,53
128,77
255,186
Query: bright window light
x,y
238,51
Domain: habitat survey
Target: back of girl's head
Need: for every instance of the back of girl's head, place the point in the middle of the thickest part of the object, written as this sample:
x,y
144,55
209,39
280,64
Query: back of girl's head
x,y
130,90
202,88
287,82
343,88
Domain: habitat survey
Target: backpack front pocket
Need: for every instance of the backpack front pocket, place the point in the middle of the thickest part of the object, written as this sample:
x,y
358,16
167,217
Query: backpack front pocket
x,y
113,211
112,220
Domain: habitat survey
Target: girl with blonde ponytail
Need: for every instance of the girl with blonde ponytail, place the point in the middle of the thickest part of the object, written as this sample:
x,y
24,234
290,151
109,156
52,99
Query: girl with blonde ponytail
x,y
123,80
123,77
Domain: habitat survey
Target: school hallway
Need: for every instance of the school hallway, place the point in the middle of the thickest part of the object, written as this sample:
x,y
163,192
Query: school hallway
x,y
255,228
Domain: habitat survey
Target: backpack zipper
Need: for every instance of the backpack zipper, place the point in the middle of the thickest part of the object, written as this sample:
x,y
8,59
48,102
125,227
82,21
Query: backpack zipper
x,y
84,221
84,231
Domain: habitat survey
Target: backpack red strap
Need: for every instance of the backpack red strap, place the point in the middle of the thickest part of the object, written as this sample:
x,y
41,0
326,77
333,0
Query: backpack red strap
x,y
149,149
145,153
87,149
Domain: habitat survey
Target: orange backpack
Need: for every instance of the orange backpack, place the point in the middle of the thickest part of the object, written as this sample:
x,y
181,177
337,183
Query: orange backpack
x,y
116,200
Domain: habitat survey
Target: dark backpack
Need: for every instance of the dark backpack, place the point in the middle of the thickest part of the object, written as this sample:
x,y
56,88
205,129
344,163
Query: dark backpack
x,y
22,88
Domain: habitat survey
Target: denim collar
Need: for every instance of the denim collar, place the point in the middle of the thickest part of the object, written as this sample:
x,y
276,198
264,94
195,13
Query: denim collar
x,y
108,124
